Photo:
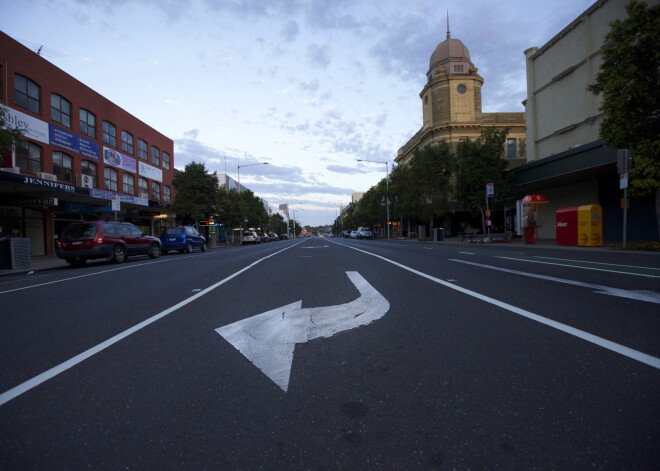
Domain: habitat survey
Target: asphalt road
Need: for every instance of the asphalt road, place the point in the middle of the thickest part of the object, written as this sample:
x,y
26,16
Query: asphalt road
x,y
400,356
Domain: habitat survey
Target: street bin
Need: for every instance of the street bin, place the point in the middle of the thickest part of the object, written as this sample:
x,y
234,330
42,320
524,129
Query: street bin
x,y
438,234
15,253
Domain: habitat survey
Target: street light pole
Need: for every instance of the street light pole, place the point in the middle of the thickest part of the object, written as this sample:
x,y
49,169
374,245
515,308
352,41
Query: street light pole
x,y
239,196
387,188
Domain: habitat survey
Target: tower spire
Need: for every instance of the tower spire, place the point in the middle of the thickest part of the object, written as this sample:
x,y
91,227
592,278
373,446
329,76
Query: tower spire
x,y
448,35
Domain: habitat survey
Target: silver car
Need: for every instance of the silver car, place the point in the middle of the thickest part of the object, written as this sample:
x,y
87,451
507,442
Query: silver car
x,y
250,237
365,233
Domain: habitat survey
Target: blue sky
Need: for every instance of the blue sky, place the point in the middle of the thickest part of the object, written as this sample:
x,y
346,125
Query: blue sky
x,y
309,86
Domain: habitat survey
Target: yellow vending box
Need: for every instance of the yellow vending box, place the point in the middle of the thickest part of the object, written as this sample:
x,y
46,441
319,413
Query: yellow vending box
x,y
590,225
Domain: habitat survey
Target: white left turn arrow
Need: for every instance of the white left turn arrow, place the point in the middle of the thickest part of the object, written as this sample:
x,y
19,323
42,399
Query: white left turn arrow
x,y
269,339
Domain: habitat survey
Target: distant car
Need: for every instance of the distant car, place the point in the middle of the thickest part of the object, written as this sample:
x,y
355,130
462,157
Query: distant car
x,y
112,240
182,238
264,237
345,233
365,233
353,234
273,237
284,236
250,237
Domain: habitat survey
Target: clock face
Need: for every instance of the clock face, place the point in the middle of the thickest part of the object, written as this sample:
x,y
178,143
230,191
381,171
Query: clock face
x,y
461,89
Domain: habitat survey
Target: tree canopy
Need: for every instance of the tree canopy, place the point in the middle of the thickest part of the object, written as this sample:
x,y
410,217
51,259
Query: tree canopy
x,y
8,134
196,193
629,80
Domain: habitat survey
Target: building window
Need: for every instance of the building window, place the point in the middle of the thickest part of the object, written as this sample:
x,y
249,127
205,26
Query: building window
x,y
87,123
26,93
109,133
511,148
28,157
110,178
60,110
127,142
129,184
167,194
62,166
166,160
461,89
143,192
459,68
88,168
142,150
155,191
155,155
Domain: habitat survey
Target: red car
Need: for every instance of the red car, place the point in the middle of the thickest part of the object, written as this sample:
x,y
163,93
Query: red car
x,y
111,240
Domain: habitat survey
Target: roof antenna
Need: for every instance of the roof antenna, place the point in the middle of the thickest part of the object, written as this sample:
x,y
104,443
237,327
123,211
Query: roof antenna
x,y
448,35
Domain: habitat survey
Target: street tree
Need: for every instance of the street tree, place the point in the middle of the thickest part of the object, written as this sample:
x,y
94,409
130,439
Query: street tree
x,y
196,193
478,163
432,167
8,134
629,80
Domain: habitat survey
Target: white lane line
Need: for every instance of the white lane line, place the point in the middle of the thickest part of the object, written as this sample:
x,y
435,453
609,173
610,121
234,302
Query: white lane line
x,y
467,253
576,266
607,344
648,296
596,263
51,373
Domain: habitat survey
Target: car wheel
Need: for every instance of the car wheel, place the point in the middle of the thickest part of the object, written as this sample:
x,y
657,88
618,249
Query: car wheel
x,y
189,248
118,254
203,247
154,251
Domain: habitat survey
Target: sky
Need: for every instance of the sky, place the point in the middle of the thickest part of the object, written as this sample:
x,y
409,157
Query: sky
x,y
309,86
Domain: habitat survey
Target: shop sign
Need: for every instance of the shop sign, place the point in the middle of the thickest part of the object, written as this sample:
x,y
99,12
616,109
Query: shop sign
x,y
149,171
107,195
119,160
49,184
71,142
34,202
41,131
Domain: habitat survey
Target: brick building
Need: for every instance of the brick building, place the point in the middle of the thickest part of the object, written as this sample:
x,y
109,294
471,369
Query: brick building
x,y
79,153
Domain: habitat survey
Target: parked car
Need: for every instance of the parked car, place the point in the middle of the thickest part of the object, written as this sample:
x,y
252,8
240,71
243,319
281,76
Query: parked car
x,y
182,238
284,236
273,237
365,233
112,240
353,234
346,233
250,237
264,237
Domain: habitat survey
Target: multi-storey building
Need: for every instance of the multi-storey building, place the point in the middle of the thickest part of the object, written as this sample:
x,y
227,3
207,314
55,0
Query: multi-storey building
x,y
566,159
81,156
451,106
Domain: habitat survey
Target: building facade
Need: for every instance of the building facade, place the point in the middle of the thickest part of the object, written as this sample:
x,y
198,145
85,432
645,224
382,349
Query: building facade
x,y
452,106
566,159
81,156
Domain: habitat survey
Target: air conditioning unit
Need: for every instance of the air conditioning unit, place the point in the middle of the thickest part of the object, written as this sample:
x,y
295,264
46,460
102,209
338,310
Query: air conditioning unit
x,y
85,181
47,176
16,170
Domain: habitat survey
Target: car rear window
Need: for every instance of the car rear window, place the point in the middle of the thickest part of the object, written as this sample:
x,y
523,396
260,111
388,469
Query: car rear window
x,y
79,232
174,231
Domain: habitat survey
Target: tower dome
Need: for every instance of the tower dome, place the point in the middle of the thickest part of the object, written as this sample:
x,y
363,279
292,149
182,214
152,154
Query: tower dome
x,y
453,55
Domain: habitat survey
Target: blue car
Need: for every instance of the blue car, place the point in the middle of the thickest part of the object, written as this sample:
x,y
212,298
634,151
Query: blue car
x,y
182,238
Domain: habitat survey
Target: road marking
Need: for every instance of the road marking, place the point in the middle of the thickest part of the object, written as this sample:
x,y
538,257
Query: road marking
x,y
576,266
62,367
648,296
597,263
268,339
467,253
607,344
315,247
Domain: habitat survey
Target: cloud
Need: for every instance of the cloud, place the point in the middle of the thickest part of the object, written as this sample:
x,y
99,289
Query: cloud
x,y
345,170
319,55
290,31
